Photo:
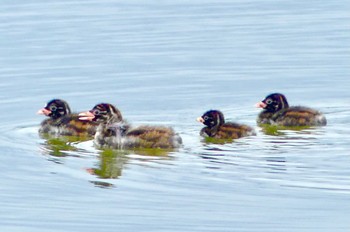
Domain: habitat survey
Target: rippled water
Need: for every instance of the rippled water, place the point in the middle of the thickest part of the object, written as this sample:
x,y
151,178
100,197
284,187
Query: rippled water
x,y
166,62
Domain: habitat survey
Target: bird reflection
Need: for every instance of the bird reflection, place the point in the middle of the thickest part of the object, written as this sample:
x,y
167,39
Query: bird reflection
x,y
274,130
111,162
110,165
60,146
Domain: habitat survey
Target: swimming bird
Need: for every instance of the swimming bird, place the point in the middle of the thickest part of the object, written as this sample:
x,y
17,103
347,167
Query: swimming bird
x,y
278,112
62,122
216,127
114,132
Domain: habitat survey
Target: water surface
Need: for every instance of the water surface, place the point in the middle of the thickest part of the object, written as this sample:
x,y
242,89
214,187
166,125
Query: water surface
x,y
167,63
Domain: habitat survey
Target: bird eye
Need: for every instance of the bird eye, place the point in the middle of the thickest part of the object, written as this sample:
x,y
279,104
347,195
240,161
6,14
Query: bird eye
x,y
269,101
53,108
205,118
96,112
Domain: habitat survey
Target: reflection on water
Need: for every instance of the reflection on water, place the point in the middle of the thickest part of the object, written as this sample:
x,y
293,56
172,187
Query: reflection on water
x,y
163,64
271,130
281,130
58,146
110,162
286,155
110,165
283,139
217,141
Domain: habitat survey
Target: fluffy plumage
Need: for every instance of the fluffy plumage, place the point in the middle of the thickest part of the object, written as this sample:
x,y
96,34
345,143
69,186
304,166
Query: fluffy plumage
x,y
62,122
114,132
216,127
278,112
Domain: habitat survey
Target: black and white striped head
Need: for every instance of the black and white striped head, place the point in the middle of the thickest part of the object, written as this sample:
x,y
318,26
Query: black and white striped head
x,y
55,108
273,103
212,118
102,113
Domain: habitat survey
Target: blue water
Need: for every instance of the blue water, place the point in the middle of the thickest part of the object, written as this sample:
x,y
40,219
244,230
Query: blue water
x,y
167,62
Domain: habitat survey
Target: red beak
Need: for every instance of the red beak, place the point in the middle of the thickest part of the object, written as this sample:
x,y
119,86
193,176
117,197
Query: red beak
x,y
260,105
86,116
44,111
200,119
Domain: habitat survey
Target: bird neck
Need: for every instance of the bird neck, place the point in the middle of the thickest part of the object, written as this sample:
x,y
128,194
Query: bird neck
x,y
211,131
113,119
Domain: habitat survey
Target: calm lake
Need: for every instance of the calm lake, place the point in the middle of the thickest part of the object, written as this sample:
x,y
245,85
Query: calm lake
x,y
166,63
